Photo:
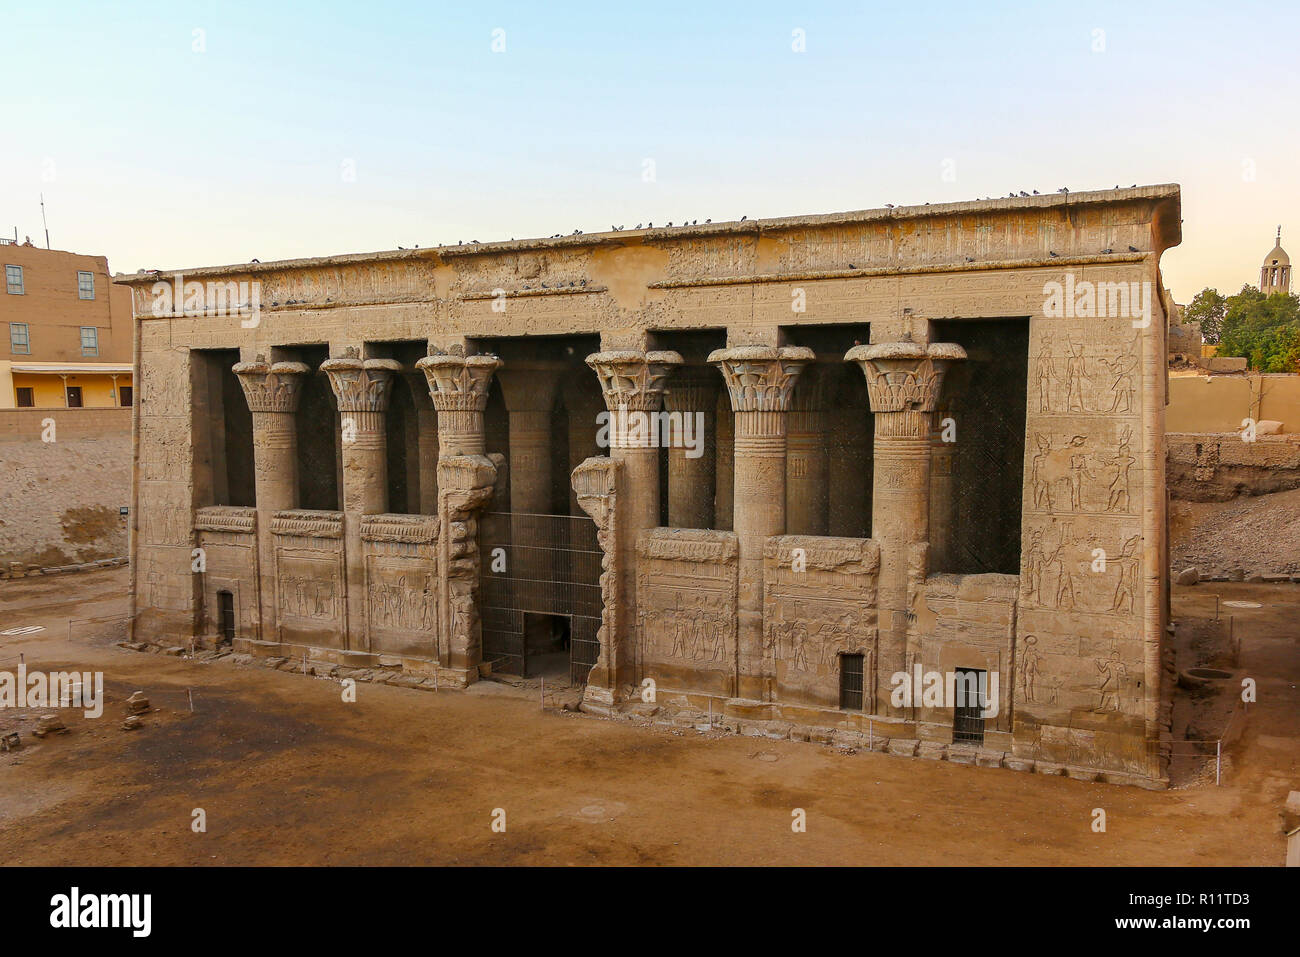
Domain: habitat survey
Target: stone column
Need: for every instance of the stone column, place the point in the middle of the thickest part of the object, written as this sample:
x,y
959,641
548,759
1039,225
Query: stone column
x,y
361,388
272,392
904,380
458,386
529,393
692,397
633,385
806,500
943,531
760,380
725,474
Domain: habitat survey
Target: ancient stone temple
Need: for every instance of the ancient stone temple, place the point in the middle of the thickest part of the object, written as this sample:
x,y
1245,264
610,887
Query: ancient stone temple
x,y
895,475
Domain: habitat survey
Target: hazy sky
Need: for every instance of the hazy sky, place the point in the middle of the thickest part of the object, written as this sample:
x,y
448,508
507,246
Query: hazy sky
x,y
180,134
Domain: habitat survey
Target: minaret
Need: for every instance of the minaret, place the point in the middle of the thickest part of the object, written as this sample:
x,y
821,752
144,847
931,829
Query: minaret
x,y
1275,274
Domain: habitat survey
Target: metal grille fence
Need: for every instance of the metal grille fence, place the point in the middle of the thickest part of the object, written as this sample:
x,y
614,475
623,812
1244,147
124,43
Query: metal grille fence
x,y
539,564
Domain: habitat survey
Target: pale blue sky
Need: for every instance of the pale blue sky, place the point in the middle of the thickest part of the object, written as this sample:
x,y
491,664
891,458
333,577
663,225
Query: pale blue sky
x,y
160,156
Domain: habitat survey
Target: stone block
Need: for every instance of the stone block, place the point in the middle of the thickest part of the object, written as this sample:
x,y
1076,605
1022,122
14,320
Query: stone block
x,y
932,751
988,759
903,747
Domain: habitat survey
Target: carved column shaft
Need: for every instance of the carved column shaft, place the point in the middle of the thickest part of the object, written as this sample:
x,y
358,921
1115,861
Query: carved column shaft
x,y
692,398
807,459
760,381
633,386
458,387
904,380
361,387
272,392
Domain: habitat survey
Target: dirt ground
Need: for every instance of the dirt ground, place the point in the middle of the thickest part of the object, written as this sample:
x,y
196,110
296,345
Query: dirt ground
x,y
1255,532
288,773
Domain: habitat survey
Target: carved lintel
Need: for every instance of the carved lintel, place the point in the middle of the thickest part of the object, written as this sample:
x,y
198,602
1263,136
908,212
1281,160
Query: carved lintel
x,y
847,555
688,545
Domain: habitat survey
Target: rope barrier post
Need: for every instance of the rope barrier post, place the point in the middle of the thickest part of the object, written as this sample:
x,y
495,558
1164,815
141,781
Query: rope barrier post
x,y
543,694
189,692
1218,761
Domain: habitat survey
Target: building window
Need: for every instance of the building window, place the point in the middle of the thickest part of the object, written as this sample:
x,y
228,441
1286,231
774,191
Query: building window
x,y
74,397
26,398
851,682
14,280
85,285
89,341
125,395
19,342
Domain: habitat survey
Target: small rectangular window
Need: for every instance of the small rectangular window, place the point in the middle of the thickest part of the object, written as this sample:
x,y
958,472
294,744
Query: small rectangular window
x,y
19,342
89,341
126,395
851,682
26,398
74,397
85,285
14,280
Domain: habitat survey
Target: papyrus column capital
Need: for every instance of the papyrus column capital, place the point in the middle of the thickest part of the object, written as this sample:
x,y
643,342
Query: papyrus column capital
x,y
761,378
271,387
459,386
459,383
361,385
634,381
905,376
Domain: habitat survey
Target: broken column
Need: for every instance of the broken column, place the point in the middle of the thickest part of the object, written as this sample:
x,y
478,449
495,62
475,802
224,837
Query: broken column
x,y
458,386
633,385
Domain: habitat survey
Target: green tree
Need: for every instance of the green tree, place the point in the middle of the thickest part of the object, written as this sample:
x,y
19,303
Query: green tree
x,y
1207,310
1265,330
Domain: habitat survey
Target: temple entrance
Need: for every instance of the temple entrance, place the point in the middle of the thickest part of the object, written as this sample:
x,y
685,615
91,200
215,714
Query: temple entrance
x,y
540,594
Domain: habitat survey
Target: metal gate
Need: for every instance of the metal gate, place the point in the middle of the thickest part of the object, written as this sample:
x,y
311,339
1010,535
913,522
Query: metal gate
x,y
543,565
968,714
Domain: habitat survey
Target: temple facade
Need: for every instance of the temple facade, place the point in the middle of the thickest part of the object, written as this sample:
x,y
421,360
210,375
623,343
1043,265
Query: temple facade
x,y
893,475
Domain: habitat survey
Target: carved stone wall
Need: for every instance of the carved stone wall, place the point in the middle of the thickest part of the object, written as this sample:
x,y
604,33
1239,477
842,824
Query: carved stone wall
x,y
686,609
820,602
227,536
401,568
311,580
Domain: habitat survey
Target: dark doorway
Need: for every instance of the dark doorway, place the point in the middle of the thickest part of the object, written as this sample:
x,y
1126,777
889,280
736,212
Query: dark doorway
x,y
125,395
968,711
985,398
317,423
74,397
222,427
225,617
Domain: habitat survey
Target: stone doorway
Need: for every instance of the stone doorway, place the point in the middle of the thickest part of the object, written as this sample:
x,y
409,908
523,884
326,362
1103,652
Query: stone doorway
x,y
540,593
968,710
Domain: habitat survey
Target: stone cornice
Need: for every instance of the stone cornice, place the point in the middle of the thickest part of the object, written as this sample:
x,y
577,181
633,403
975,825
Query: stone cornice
x,y
305,523
410,529
1156,194
688,545
226,518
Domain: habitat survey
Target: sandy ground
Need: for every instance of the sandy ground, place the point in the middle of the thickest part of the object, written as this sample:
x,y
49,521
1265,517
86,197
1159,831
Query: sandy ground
x,y
287,773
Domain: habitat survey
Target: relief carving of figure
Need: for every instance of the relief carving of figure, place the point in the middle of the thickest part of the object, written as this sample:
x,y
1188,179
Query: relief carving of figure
x,y
1126,588
1029,667
1112,672
1118,500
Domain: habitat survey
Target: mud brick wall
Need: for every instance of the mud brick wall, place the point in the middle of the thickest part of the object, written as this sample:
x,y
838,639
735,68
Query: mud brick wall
x,y
60,501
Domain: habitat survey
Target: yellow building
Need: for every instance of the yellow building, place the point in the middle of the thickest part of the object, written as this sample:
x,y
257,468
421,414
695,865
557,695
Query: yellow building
x,y
68,330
